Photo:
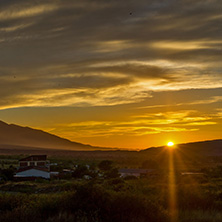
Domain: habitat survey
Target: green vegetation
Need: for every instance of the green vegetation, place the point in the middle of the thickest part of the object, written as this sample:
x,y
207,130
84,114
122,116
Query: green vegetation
x,y
104,197
81,202
144,199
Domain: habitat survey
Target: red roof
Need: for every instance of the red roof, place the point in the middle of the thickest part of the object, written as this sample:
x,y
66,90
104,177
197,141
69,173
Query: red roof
x,y
34,158
32,167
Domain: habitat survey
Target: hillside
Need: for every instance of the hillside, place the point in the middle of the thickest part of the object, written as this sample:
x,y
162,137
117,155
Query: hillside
x,y
188,156
15,135
202,148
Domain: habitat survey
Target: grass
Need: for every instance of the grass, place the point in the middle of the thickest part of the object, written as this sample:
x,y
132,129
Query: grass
x,y
200,216
199,198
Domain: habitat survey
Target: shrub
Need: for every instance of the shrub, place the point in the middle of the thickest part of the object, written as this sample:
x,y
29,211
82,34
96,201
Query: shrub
x,y
105,165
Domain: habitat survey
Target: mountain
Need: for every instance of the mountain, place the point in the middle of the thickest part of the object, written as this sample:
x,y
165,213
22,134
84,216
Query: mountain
x,y
186,157
203,148
25,138
11,134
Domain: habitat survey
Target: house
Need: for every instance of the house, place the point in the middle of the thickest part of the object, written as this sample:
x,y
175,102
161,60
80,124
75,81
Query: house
x,y
135,172
32,167
34,160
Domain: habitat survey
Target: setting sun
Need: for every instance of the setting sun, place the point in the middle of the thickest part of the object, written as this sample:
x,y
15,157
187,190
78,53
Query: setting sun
x,y
170,143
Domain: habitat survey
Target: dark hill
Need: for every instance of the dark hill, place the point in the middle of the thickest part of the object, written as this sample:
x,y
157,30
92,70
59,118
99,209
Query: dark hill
x,y
11,134
203,148
188,156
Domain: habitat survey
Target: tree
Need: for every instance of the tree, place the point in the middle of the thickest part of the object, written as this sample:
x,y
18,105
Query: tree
x,y
8,174
80,171
105,165
112,173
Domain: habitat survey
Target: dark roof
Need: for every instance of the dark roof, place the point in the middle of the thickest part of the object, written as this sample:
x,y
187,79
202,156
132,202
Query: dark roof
x,y
34,158
139,171
32,167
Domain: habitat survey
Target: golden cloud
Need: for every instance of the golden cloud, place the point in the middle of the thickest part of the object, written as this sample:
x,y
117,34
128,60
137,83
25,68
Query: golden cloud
x,y
19,11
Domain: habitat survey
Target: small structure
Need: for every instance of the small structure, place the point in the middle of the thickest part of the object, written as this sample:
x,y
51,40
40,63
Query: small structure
x,y
54,174
34,160
135,172
32,167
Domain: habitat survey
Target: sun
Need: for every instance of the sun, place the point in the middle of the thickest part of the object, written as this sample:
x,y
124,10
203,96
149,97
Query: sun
x,y
170,144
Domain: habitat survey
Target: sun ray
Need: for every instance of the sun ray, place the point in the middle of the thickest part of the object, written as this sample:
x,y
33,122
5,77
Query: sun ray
x,y
172,188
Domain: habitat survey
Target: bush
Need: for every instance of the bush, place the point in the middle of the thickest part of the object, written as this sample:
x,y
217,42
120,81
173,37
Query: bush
x,y
134,208
98,204
7,174
105,165
80,171
113,173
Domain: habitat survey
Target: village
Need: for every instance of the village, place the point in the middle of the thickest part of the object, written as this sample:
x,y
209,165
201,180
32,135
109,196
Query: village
x,y
60,189
36,167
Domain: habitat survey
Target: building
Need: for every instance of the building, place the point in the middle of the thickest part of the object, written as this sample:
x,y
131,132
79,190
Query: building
x,y
32,167
135,172
35,160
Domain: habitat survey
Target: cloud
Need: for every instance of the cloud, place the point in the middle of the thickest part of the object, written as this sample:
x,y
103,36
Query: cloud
x,y
22,11
104,129
84,53
137,126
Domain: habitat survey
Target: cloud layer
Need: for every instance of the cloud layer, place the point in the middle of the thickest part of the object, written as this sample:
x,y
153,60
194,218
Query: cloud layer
x,y
80,53
110,53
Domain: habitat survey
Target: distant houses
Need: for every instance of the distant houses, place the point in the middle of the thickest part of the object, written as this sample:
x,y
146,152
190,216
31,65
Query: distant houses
x,y
37,166
136,172
32,167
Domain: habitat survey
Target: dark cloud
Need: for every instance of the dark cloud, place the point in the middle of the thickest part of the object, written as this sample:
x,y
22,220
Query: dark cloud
x,y
136,70
64,44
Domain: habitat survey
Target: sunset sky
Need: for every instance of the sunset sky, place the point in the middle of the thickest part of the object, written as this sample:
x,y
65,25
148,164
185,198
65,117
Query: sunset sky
x,y
113,73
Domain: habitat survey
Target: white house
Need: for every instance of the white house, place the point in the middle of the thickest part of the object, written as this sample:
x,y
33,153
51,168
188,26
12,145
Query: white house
x,y
33,172
135,172
32,167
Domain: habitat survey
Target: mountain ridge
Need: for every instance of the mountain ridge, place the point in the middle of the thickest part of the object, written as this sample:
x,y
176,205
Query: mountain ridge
x,y
12,134
23,136
205,148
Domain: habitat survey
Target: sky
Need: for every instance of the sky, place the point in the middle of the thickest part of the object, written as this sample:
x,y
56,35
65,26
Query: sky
x,y
113,73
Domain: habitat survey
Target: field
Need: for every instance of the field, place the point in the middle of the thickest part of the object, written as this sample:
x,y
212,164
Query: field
x,y
132,199
171,194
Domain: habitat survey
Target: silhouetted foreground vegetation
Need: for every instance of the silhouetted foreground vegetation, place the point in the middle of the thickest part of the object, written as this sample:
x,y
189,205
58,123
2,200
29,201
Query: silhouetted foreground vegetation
x,y
105,197
82,203
121,200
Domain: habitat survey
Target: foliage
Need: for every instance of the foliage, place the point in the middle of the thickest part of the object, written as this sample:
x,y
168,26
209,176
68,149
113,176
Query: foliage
x,y
108,170
214,172
89,202
110,198
112,173
7,174
80,171
105,165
